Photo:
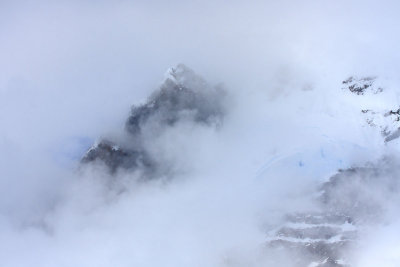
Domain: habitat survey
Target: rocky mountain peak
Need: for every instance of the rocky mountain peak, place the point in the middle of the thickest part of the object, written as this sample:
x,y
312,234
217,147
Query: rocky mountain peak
x,y
184,77
184,96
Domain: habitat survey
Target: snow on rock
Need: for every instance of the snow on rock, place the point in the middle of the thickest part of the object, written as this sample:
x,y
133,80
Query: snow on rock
x,y
387,121
362,85
379,108
114,157
349,201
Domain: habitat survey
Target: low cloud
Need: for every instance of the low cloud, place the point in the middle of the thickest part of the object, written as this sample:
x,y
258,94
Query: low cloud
x,y
71,71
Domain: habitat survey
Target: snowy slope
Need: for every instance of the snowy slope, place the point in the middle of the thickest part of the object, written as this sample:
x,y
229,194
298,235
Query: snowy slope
x,y
353,199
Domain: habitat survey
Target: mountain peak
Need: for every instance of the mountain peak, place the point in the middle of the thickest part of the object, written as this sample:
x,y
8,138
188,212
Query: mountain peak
x,y
183,76
183,97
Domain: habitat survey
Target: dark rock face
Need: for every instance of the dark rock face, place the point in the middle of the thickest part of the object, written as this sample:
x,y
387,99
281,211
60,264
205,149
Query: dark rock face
x,y
115,157
350,199
176,99
352,192
184,96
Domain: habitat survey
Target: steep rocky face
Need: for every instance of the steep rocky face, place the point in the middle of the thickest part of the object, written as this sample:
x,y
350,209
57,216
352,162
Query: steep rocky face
x,y
115,157
349,200
183,97
315,238
354,191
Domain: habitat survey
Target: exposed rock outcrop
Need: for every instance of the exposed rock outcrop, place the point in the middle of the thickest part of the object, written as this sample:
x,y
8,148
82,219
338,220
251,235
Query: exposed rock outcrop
x,y
351,199
362,85
115,157
386,120
182,97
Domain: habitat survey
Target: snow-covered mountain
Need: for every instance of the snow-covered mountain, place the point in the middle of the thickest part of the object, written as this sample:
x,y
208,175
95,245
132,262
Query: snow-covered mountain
x,y
350,203
344,205
275,145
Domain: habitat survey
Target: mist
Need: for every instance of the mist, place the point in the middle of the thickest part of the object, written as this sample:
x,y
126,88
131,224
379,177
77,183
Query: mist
x,y
71,70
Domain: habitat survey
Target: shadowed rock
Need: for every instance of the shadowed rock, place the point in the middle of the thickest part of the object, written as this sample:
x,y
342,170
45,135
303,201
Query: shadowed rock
x,y
115,157
349,199
361,192
183,97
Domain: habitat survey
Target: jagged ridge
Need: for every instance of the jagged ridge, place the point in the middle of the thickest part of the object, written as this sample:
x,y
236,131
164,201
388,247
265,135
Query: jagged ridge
x,y
347,201
183,96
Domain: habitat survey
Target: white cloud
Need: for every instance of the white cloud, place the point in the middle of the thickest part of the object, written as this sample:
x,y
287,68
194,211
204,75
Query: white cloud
x,y
69,72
